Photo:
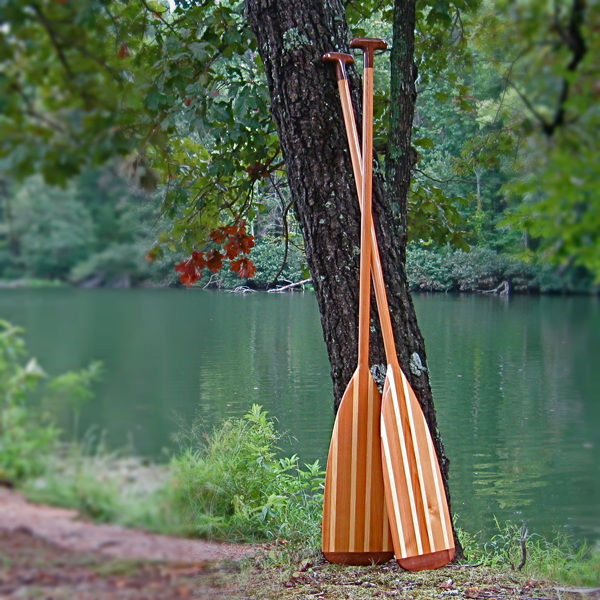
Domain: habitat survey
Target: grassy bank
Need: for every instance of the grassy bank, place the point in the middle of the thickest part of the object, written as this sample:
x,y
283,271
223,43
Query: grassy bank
x,y
231,483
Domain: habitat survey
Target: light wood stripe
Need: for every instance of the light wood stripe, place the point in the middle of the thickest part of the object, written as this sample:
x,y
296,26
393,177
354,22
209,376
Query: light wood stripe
x,y
333,466
369,465
420,477
393,487
354,471
444,516
409,482
386,536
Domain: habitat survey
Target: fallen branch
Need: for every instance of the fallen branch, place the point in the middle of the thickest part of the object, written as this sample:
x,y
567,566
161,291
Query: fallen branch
x,y
524,536
578,590
290,286
479,564
241,289
503,289
215,279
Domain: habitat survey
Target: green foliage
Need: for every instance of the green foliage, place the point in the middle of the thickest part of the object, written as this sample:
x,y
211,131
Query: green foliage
x,y
28,434
446,270
268,256
50,230
559,559
184,104
106,486
562,210
506,118
94,232
232,485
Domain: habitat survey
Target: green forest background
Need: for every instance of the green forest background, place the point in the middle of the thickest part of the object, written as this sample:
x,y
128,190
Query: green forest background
x,y
121,152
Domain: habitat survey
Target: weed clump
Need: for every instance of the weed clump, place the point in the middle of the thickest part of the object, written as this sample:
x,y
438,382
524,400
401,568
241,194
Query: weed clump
x,y
230,484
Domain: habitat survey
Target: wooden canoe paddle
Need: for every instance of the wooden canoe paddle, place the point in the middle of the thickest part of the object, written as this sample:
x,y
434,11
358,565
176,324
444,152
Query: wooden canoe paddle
x,y
419,513
356,530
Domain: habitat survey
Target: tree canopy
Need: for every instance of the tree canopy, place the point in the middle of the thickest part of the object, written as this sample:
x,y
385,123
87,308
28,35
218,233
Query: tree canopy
x,y
504,128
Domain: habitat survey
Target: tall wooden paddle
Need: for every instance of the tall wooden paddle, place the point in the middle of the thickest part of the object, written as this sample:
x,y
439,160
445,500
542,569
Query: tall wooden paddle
x,y
419,514
355,520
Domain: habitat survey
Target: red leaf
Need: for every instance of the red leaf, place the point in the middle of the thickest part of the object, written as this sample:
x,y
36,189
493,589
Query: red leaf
x,y
229,230
187,102
244,267
189,274
232,249
124,51
239,242
214,260
198,260
218,236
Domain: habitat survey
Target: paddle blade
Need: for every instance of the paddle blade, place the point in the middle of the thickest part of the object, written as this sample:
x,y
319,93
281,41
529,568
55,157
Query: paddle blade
x,y
419,514
355,522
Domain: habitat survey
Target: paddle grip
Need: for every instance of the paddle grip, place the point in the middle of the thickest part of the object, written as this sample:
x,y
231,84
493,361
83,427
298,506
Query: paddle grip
x,y
368,46
341,61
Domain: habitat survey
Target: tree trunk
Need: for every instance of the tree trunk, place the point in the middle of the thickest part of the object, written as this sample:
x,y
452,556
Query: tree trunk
x,y
292,36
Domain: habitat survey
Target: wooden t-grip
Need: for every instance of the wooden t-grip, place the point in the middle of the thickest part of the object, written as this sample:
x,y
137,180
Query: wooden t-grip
x,y
368,46
341,60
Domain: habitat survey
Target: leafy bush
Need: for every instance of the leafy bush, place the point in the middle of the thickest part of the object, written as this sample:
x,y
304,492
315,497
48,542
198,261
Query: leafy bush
x,y
268,257
27,433
230,484
445,270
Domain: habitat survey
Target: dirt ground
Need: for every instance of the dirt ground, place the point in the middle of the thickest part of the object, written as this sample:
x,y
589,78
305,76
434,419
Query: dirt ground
x,y
48,553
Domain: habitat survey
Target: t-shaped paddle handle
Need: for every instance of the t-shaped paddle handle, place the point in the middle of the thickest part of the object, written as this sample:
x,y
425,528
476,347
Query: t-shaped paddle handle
x,y
368,46
341,61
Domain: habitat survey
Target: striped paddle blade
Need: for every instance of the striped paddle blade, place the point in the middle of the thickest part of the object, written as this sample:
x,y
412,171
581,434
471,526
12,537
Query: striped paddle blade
x,y
418,509
355,522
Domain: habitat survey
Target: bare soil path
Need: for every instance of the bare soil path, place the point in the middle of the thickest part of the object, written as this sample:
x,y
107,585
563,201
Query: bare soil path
x,y
48,552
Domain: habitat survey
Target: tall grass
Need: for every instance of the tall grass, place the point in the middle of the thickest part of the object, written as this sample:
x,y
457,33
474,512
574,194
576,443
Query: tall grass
x,y
559,559
107,486
231,484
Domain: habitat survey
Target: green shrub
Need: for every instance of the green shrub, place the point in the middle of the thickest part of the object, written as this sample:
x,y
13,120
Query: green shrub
x,y
428,271
27,432
268,255
481,269
231,485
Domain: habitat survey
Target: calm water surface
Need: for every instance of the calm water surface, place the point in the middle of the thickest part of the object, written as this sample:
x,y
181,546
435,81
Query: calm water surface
x,y
516,383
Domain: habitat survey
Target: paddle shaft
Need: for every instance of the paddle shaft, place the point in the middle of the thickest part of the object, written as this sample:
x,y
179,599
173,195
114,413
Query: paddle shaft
x,y
341,61
364,315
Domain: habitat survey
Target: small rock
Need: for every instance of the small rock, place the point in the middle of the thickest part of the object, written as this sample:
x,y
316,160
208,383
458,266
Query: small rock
x,y
447,585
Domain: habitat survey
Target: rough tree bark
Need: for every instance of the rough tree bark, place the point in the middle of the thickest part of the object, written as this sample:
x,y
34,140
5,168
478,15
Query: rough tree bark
x,y
292,36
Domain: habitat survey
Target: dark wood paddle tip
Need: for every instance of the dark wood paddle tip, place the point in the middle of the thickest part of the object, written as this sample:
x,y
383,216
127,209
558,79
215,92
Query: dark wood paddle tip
x,y
427,562
358,559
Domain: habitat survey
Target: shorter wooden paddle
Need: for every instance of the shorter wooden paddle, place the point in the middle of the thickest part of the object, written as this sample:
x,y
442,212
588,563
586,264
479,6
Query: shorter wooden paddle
x,y
420,518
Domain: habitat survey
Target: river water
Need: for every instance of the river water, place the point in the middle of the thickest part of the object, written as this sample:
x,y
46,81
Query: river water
x,y
516,384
